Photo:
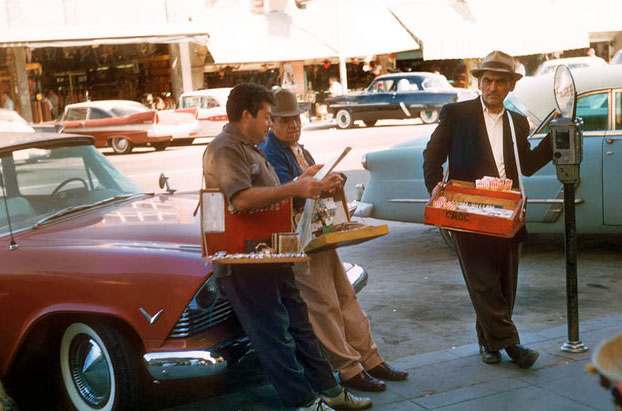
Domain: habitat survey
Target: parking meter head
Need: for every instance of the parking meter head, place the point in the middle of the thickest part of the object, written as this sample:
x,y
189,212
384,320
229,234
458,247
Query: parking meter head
x,y
565,92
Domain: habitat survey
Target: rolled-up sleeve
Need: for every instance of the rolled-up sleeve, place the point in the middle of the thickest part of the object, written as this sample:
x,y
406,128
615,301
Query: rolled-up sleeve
x,y
230,170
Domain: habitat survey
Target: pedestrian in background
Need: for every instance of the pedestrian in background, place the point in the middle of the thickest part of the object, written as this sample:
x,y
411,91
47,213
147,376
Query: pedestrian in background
x,y
335,89
7,102
475,135
334,310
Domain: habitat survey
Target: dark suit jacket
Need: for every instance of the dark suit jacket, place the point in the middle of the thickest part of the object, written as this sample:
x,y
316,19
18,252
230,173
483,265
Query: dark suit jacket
x,y
461,134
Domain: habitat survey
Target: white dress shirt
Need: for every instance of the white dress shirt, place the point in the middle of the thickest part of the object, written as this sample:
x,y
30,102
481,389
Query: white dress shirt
x,y
494,128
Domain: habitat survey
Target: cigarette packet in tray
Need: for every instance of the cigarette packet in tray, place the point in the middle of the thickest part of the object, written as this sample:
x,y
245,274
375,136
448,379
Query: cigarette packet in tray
x,y
482,211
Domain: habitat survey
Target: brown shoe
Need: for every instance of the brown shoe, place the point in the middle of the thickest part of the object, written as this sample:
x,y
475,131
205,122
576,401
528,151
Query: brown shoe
x,y
386,372
489,356
364,382
347,402
523,357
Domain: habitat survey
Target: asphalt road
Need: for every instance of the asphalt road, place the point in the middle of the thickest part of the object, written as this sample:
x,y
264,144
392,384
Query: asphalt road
x,y
416,297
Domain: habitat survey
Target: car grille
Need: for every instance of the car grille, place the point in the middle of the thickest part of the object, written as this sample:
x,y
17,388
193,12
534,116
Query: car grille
x,y
195,321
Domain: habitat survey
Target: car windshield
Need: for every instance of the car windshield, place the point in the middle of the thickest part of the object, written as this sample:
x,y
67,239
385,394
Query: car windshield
x,y
122,111
39,183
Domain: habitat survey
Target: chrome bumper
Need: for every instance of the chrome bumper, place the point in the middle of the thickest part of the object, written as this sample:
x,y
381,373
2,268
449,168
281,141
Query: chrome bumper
x,y
363,209
183,364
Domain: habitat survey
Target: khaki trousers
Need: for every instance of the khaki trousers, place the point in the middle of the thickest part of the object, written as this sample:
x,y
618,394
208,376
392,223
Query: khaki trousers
x,y
336,316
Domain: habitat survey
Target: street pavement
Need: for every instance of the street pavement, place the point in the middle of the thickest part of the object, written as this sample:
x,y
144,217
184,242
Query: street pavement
x,y
455,379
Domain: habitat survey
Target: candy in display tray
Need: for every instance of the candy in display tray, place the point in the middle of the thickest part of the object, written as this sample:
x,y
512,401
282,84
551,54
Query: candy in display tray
x,y
345,238
461,206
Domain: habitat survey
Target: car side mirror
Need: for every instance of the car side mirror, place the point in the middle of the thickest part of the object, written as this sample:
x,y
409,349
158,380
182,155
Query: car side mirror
x,y
163,182
59,128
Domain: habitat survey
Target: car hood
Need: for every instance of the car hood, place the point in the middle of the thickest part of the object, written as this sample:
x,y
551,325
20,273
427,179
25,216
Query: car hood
x,y
153,221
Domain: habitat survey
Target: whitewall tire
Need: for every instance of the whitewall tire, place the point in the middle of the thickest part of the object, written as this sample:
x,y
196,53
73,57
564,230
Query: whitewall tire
x,y
344,119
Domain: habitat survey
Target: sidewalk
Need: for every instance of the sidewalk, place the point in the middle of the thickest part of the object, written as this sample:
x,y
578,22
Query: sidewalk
x,y
456,379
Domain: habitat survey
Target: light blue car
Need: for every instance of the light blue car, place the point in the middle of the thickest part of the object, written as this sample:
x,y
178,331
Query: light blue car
x,y
396,189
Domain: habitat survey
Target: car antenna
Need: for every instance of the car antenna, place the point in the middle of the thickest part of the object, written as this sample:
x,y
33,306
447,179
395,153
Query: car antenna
x,y
12,245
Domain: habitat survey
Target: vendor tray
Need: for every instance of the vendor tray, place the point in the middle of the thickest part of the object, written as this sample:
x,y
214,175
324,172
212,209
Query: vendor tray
x,y
459,220
346,237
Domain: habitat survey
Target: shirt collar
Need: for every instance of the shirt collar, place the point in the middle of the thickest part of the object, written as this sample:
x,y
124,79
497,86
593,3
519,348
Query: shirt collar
x,y
282,144
236,134
493,115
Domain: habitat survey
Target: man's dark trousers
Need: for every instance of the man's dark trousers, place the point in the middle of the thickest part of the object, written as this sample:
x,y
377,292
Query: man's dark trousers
x,y
490,269
274,316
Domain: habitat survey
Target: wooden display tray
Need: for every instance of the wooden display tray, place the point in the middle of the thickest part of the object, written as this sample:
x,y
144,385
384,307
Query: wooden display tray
x,y
459,220
267,260
346,238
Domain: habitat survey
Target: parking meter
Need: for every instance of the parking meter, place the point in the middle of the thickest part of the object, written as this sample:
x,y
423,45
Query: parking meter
x,y
567,146
566,131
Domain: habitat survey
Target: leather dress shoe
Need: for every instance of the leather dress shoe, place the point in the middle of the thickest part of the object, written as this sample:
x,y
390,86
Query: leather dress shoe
x,y
489,356
347,401
385,372
522,356
364,382
316,405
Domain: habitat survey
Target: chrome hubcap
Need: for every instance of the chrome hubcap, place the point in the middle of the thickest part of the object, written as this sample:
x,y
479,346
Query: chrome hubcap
x,y
120,143
89,370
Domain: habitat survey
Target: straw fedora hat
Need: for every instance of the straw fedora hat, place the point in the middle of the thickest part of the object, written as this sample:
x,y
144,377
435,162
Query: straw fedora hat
x,y
285,104
499,62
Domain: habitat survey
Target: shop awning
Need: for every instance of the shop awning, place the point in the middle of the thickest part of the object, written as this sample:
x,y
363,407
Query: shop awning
x,y
62,23
453,29
365,28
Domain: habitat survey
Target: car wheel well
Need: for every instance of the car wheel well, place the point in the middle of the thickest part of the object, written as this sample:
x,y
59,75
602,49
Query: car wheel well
x,y
48,331
37,359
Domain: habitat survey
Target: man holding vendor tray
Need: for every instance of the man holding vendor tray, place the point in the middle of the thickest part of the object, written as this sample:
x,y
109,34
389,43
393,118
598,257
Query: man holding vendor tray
x,y
334,311
476,137
264,296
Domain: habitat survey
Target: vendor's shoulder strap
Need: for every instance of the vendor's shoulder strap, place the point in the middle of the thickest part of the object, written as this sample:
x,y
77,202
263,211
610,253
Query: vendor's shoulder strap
x,y
516,158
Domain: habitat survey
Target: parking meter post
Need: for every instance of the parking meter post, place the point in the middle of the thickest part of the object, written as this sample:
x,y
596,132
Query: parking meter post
x,y
573,344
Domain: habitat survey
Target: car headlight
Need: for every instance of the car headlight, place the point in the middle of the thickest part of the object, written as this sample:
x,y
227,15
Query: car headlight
x,y
206,296
364,161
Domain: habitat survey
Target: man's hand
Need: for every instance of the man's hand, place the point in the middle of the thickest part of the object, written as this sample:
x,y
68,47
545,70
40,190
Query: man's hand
x,y
311,171
332,182
436,190
307,187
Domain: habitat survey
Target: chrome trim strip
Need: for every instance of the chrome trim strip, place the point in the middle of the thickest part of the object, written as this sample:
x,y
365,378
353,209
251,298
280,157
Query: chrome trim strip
x,y
183,364
192,248
357,105
404,109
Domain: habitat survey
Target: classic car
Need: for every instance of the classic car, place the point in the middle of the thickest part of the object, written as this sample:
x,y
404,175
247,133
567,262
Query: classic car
x,y
396,189
12,122
211,106
397,96
104,288
549,66
123,124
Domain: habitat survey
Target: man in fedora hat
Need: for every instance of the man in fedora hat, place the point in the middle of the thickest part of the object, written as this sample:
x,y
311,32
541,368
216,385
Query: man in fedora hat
x,y
334,311
476,137
265,299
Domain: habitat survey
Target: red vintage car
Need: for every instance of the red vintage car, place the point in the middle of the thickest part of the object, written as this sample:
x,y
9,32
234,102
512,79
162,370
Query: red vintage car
x,y
123,124
100,284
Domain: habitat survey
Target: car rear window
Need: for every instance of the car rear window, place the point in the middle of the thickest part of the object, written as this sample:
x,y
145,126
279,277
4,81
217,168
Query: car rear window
x,y
76,114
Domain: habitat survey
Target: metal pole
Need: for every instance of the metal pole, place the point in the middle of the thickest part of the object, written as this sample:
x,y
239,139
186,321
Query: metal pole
x,y
573,344
343,72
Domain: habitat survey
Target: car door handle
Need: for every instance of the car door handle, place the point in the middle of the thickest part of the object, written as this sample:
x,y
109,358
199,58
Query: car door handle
x,y
609,140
